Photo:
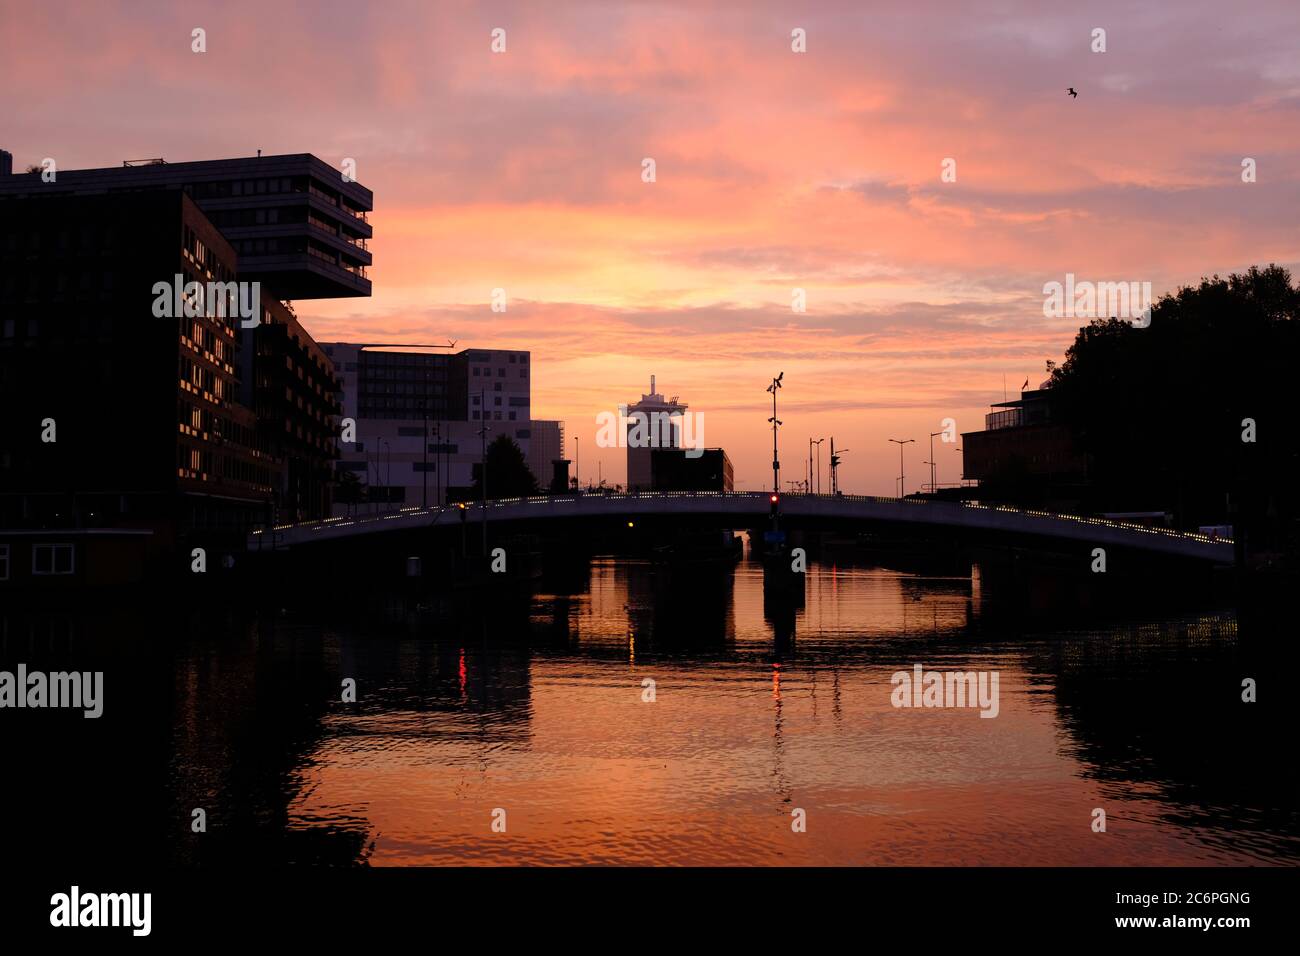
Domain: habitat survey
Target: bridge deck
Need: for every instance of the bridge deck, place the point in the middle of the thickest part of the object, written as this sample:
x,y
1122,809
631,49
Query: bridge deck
x,y
754,508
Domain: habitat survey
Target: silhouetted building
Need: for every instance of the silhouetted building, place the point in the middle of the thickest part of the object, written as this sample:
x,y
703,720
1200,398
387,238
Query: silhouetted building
x,y
294,221
672,469
113,414
1023,456
559,476
293,391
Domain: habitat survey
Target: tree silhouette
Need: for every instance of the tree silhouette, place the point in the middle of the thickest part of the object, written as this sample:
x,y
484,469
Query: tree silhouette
x,y
508,475
348,489
1160,410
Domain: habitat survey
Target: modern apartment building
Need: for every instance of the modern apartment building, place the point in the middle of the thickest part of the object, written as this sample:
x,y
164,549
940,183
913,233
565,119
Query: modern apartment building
x,y
114,416
175,416
290,384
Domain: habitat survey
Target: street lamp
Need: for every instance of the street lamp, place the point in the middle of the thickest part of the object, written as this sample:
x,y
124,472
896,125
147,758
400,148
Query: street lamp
x,y
902,493
933,474
577,464
776,464
818,443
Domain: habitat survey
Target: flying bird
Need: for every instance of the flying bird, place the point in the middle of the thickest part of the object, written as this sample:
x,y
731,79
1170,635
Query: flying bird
x,y
1072,92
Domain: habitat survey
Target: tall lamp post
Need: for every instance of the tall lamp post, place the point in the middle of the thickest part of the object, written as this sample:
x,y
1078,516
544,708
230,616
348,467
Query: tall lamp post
x,y
934,475
577,465
818,443
776,464
902,492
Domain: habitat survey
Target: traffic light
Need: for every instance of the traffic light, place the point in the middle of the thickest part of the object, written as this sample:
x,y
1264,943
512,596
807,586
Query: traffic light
x,y
775,499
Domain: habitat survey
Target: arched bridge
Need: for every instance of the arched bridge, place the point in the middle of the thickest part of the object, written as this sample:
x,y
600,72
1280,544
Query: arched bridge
x,y
845,513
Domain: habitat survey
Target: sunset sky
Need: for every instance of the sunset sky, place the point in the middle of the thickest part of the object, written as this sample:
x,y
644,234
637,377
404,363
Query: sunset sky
x,y
775,170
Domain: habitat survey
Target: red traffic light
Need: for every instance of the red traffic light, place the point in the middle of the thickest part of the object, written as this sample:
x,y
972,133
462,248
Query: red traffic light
x,y
774,499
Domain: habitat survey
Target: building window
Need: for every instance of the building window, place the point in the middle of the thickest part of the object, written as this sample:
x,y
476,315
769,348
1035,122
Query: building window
x,y
512,416
52,559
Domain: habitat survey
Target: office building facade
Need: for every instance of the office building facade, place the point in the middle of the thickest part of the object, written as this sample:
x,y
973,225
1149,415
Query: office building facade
x,y
423,417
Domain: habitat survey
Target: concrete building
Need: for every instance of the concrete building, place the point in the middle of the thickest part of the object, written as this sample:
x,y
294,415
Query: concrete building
x,y
652,423
422,419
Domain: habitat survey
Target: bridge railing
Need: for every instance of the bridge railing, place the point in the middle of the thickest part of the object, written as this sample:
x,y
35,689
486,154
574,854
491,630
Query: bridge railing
x,y
415,512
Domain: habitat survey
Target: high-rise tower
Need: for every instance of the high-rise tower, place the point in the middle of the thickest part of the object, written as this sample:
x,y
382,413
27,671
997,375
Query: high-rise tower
x,y
651,424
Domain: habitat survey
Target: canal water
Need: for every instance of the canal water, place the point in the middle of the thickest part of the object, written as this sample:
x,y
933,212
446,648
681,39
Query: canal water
x,y
632,714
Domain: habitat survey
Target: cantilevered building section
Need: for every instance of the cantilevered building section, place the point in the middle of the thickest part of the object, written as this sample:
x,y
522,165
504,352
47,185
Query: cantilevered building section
x,y
652,423
295,222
